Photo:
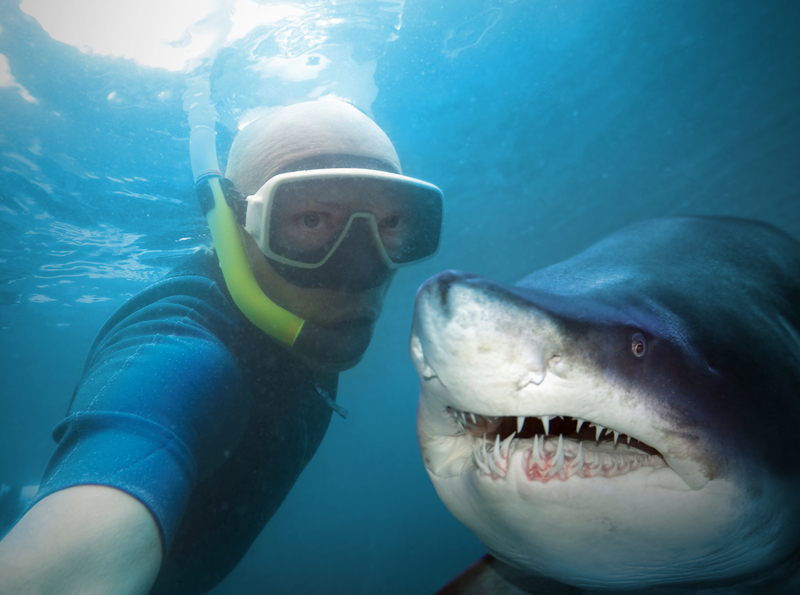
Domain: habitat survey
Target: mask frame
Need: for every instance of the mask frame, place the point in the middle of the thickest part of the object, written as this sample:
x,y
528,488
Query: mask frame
x,y
261,205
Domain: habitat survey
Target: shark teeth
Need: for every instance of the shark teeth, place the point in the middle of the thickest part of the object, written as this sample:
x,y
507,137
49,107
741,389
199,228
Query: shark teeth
x,y
492,458
552,446
546,459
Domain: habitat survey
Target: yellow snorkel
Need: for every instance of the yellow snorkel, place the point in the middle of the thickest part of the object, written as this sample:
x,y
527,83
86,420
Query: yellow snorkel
x,y
277,322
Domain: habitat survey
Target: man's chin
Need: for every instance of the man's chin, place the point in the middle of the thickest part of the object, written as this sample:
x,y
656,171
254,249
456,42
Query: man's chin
x,y
334,348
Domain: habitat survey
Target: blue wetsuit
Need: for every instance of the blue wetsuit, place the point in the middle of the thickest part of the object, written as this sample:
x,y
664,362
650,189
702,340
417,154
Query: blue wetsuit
x,y
187,406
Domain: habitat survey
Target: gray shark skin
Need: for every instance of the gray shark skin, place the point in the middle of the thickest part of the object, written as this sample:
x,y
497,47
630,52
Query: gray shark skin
x,y
625,420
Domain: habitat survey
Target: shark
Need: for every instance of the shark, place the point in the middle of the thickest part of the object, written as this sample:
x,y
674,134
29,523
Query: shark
x,y
624,420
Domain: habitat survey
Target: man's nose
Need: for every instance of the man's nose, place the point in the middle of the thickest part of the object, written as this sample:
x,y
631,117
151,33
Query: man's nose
x,y
357,265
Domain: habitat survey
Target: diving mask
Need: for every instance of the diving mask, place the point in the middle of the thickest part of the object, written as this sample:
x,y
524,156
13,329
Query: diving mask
x,y
300,219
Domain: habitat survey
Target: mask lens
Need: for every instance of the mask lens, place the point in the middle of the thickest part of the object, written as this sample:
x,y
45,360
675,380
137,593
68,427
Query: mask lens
x,y
306,220
308,216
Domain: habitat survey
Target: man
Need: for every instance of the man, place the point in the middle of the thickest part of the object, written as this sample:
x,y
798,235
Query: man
x,y
191,424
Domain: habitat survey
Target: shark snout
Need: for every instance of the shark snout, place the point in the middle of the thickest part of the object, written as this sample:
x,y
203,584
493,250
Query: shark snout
x,y
450,291
476,337
439,286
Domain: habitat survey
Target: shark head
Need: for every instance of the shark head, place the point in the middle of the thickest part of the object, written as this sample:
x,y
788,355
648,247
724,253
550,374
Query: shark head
x,y
626,418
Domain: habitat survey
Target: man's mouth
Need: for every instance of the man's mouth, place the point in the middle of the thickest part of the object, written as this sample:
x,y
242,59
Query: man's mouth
x,y
358,324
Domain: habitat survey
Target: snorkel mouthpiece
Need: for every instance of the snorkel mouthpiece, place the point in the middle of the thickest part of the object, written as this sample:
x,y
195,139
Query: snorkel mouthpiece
x,y
277,322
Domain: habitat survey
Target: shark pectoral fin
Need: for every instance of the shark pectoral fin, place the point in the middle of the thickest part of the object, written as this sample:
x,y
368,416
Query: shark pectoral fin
x,y
489,576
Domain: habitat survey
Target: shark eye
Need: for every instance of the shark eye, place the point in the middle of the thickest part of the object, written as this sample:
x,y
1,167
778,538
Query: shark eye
x,y
638,345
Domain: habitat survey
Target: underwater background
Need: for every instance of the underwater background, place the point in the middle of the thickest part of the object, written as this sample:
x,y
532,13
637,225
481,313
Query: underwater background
x,y
548,125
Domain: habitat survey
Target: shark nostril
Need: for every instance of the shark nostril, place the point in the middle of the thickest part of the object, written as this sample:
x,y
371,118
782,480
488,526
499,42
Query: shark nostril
x,y
537,369
531,377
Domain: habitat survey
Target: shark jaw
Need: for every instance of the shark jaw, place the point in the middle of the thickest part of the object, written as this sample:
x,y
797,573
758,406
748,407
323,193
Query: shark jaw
x,y
563,472
541,442
553,448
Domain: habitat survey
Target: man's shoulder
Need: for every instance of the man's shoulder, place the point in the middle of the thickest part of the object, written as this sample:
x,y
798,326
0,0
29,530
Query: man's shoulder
x,y
202,263
191,294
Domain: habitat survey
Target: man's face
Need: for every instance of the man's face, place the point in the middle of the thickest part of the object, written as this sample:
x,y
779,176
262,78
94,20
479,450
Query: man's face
x,y
347,318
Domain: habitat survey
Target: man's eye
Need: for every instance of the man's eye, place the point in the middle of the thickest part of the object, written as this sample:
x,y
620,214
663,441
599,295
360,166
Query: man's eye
x,y
395,222
311,221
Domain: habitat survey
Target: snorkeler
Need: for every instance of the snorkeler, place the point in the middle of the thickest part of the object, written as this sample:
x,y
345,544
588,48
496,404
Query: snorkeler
x,y
194,417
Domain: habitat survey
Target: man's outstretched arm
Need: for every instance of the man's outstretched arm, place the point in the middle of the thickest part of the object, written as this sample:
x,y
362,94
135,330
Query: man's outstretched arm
x,y
82,540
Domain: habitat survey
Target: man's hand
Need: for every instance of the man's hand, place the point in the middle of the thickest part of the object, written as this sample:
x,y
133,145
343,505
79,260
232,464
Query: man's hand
x,y
82,540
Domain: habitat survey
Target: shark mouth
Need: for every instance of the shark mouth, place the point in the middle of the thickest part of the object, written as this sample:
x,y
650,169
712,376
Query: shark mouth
x,y
552,447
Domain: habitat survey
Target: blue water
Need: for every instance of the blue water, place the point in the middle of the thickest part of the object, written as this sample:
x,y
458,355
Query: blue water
x,y
548,125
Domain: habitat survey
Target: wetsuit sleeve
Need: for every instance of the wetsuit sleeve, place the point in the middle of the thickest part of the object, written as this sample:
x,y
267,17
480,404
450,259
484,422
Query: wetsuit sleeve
x,y
161,403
